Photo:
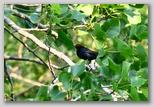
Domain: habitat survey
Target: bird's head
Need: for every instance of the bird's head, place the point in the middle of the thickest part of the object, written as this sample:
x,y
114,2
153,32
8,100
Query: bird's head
x,y
78,46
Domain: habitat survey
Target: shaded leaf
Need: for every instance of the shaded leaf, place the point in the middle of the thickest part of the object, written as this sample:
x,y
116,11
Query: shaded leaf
x,y
124,49
56,94
65,40
136,81
34,18
77,15
125,68
78,69
111,27
65,78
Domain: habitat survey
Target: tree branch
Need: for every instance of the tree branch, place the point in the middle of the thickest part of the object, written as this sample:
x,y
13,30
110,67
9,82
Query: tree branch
x,y
10,80
26,17
37,41
32,60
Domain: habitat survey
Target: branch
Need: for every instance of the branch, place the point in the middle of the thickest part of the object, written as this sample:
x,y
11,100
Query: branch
x,y
26,90
26,17
108,91
26,80
10,80
85,92
32,60
37,41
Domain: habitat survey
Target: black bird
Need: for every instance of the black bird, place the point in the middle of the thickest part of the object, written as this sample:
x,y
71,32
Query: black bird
x,y
85,53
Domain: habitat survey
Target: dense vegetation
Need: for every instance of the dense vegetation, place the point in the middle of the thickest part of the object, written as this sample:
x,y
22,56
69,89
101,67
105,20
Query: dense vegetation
x,y
119,32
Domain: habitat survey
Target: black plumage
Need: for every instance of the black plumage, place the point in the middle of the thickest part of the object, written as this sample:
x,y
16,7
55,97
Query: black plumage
x,y
85,53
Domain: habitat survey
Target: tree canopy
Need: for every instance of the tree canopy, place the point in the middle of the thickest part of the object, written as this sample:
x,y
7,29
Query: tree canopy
x,y
40,59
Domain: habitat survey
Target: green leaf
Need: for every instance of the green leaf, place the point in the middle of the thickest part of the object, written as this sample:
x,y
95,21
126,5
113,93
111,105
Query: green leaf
x,y
133,18
42,94
7,89
145,73
99,44
34,18
111,27
86,82
78,69
65,40
87,9
56,8
143,35
136,81
134,94
55,19
77,15
63,8
125,68
104,71
98,32
57,95
133,30
141,28
65,78
107,97
113,65
124,49
142,32
76,85
141,52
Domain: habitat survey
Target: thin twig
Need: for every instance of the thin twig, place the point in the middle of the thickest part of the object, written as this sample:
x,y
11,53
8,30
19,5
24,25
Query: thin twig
x,y
26,17
25,80
26,46
32,60
26,90
32,5
37,41
10,80
46,29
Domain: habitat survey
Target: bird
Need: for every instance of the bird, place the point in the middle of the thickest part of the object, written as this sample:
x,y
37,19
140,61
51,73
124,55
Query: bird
x,y
85,53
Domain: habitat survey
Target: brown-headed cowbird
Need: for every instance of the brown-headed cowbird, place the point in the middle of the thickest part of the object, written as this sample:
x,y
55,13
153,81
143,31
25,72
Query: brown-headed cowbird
x,y
85,53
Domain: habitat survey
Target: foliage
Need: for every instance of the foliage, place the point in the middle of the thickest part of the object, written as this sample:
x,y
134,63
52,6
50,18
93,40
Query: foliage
x,y
117,31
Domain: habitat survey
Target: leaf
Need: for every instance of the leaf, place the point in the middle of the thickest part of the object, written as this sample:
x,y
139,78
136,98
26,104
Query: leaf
x,y
86,82
125,68
135,18
55,19
143,35
113,65
111,27
77,15
78,69
141,52
56,8
86,9
98,44
133,30
134,94
142,32
98,32
65,78
34,18
65,40
76,85
124,49
104,71
63,8
136,81
42,94
57,95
